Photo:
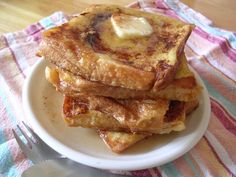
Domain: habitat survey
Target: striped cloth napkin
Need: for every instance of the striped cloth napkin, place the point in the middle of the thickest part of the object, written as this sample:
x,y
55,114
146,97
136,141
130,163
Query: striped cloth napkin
x,y
210,51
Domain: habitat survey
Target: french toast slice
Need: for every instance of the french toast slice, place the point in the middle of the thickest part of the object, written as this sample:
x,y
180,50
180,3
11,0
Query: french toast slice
x,y
145,116
109,114
183,88
90,46
120,141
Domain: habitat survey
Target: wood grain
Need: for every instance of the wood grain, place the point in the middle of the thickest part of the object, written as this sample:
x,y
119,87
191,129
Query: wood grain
x,y
17,14
221,12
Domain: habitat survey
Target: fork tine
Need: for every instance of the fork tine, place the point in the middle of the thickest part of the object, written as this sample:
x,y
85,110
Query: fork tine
x,y
29,141
22,145
35,136
41,142
38,151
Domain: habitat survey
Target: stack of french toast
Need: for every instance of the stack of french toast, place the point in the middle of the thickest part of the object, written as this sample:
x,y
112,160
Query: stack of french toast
x,y
123,73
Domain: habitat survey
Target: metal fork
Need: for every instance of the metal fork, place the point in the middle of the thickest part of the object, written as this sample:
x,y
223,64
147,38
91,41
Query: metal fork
x,y
35,149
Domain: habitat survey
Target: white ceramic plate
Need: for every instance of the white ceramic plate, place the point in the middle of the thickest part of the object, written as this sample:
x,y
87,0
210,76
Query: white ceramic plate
x,y
42,105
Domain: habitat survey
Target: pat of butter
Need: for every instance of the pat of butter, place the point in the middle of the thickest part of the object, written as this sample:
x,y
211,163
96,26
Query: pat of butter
x,y
127,26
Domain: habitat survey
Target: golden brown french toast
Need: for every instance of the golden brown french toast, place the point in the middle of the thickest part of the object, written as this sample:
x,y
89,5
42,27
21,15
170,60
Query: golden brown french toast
x,y
118,47
106,113
183,88
150,116
120,141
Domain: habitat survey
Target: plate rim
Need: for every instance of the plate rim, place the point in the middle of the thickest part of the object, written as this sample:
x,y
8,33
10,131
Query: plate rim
x,y
97,162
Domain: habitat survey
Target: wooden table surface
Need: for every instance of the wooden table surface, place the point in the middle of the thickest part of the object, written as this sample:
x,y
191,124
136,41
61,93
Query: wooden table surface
x,y
17,14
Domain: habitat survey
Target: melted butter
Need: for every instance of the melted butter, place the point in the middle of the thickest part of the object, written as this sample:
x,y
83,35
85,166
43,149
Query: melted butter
x,y
127,26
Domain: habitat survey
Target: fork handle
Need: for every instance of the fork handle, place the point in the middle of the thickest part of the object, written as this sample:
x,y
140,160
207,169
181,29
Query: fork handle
x,y
63,168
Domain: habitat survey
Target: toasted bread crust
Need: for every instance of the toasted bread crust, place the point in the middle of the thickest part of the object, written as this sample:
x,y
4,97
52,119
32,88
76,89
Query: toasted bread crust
x,y
82,47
